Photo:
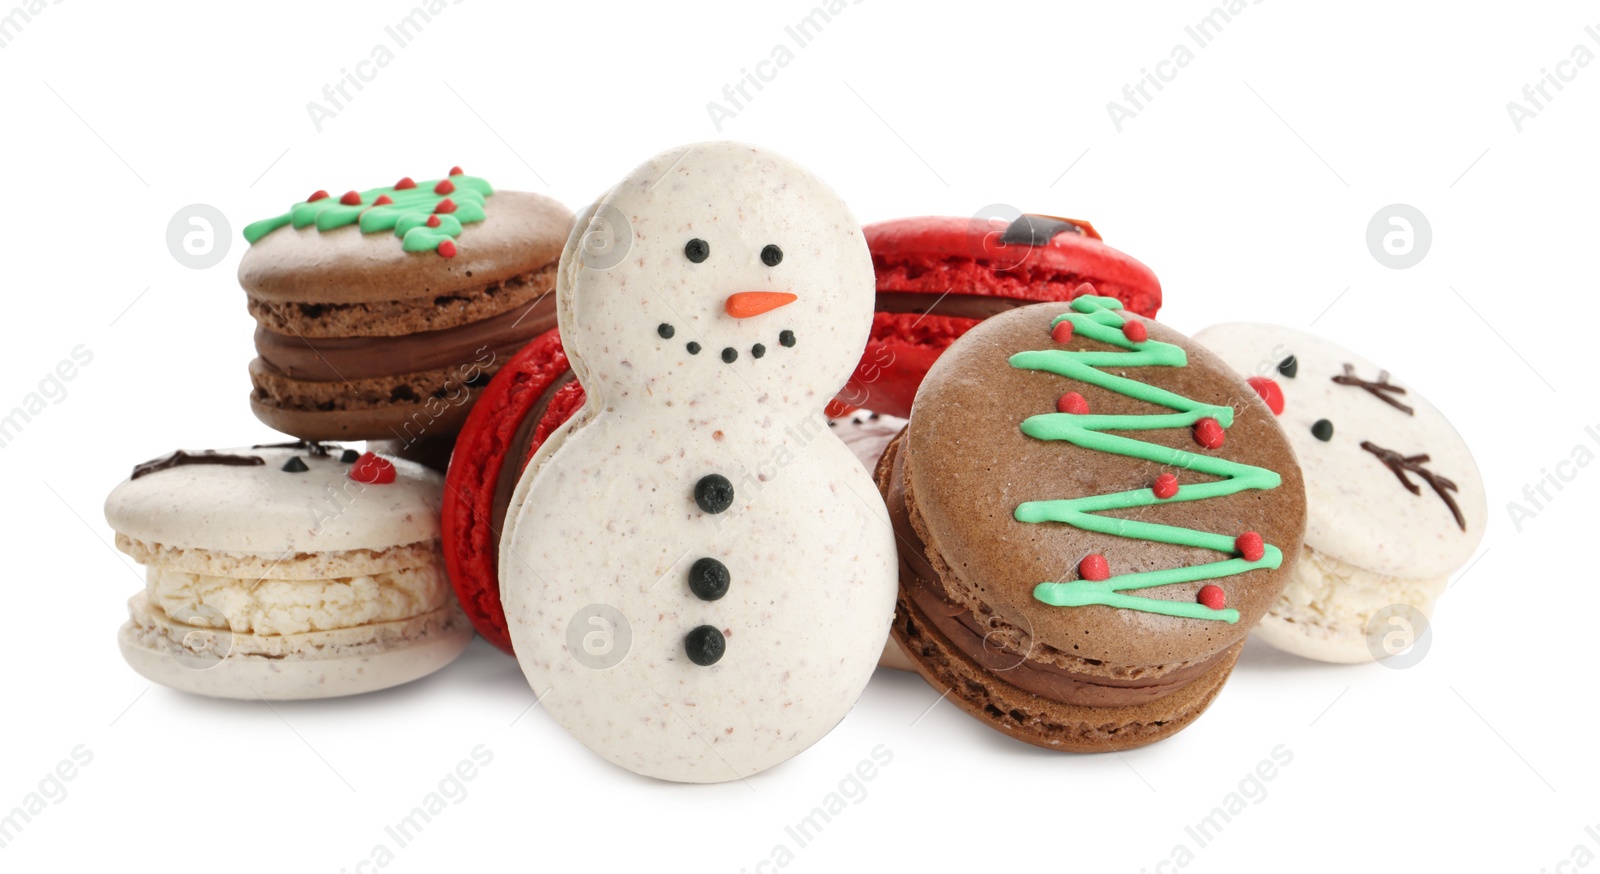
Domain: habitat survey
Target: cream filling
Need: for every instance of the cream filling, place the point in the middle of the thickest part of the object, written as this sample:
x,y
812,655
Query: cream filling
x,y
276,606
1341,597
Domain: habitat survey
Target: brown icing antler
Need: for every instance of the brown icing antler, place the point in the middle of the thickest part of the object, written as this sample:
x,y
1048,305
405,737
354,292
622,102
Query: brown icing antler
x,y
1381,389
1404,464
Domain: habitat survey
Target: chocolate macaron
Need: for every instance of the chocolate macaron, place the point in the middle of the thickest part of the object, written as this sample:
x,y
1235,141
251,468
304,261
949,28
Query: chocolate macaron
x,y
1092,513
380,313
937,276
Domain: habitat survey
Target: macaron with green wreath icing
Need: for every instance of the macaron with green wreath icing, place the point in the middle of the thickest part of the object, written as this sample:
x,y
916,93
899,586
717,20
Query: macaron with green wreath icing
x,y
1092,512
380,313
1394,499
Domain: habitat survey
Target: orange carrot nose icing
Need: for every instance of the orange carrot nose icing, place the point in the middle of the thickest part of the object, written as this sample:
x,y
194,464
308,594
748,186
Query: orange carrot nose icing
x,y
744,304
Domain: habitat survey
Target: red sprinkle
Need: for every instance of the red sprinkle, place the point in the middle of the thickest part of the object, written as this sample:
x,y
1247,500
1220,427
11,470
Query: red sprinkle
x,y
1166,486
446,205
433,221
447,248
1094,567
351,198
404,183
1208,433
1062,332
383,200
372,470
1211,595
455,171
1250,546
1270,392
1135,331
445,186
317,195
1072,402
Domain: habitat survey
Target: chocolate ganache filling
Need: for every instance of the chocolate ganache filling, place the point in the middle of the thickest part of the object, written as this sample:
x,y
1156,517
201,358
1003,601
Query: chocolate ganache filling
x,y
333,359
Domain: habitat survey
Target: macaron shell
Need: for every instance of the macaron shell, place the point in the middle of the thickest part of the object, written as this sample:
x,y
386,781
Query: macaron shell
x,y
264,509
1325,610
939,254
521,233
1358,511
968,466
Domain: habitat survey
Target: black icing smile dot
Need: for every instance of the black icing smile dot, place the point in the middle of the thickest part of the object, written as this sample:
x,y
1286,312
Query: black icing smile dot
x,y
1289,367
1322,429
786,338
693,347
705,645
730,354
757,351
665,330
771,255
713,493
697,250
708,579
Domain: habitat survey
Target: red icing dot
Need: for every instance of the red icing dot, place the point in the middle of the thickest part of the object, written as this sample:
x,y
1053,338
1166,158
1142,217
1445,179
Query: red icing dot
x,y
433,221
1270,392
1062,332
1208,433
445,186
351,198
1166,486
1136,331
1212,596
1250,546
447,248
1094,567
372,469
317,195
456,171
1072,402
404,183
446,205
383,200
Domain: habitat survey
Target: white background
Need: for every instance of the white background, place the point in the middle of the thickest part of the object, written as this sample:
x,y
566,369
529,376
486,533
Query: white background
x,y
1247,184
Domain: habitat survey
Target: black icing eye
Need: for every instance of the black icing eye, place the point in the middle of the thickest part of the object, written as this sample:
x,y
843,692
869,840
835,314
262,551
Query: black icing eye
x,y
1289,367
696,250
665,330
1322,429
771,255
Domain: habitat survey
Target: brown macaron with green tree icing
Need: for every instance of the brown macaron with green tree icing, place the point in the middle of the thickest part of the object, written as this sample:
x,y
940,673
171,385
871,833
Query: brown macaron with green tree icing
x,y
380,313
1092,513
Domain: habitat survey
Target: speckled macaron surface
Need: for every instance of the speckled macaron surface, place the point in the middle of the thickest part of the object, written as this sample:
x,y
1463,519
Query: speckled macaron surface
x,y
1394,499
698,576
285,572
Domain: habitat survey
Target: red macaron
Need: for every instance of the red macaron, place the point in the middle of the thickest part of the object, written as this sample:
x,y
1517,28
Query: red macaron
x,y
516,412
939,275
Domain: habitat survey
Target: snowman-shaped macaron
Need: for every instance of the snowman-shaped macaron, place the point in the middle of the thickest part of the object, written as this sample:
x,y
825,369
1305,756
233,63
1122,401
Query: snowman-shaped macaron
x,y
698,575
1394,500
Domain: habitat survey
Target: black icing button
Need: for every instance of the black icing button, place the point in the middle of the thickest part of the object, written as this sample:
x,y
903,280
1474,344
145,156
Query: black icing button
x,y
1322,429
708,579
705,645
295,465
786,338
713,493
